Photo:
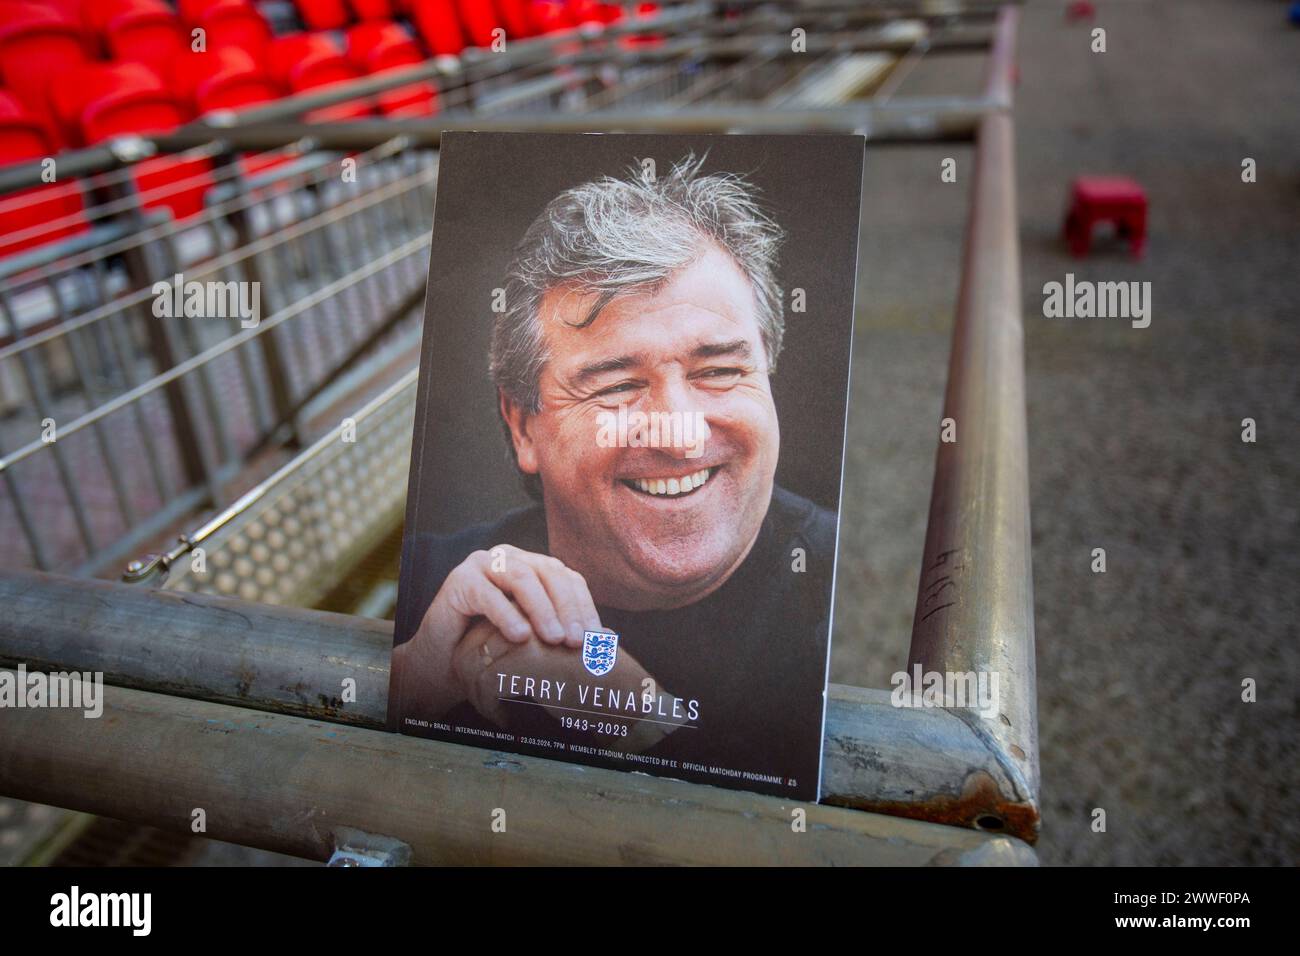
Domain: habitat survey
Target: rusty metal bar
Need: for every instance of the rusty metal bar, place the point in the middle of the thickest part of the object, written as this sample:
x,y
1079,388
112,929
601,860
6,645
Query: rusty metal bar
x,y
294,785
974,609
923,763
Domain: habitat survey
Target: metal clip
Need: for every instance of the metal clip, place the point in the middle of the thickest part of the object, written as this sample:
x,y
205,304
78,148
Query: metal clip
x,y
358,848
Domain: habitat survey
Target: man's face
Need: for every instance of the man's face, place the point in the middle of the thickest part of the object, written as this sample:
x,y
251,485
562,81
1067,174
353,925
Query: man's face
x,y
687,356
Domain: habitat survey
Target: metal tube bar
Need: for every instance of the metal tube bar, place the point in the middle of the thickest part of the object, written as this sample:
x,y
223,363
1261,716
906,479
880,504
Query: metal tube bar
x,y
289,784
778,44
974,609
927,764
902,120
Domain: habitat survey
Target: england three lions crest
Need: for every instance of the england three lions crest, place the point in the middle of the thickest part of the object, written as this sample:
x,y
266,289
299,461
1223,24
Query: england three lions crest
x,y
599,651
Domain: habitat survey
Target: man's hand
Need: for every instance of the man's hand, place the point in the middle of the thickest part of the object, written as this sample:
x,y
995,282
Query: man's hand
x,y
525,596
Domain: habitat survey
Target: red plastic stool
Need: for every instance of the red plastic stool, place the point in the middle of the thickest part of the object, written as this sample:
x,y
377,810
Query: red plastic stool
x,y
1116,199
1080,10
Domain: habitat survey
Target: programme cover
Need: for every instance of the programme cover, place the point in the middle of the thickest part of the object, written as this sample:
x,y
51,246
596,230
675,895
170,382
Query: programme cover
x,y
625,480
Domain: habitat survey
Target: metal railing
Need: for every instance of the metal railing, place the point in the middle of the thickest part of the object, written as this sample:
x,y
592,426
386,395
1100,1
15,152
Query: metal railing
x,y
290,537
974,608
171,409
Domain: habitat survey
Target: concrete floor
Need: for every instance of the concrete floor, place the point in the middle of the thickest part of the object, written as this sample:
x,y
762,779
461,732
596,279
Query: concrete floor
x,y
1135,434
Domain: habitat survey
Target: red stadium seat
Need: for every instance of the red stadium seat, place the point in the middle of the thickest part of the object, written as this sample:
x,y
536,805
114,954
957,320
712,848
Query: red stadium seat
x,y
438,26
23,138
224,79
367,10
378,46
516,17
286,52
323,14
235,23
71,9
146,31
36,44
592,11
551,16
305,61
478,20
130,106
191,11
95,14
98,101
72,93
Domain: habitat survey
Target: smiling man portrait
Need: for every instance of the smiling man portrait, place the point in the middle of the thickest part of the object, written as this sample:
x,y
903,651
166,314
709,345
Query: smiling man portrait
x,y
632,364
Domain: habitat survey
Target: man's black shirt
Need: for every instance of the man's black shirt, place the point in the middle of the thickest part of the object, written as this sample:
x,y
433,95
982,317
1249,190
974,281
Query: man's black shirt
x,y
753,653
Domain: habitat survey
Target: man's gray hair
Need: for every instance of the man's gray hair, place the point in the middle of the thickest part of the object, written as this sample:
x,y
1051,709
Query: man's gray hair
x,y
619,236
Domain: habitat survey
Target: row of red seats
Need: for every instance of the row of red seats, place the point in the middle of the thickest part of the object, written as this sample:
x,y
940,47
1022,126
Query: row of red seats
x,y
42,50
88,101
59,95
31,217
476,18
50,56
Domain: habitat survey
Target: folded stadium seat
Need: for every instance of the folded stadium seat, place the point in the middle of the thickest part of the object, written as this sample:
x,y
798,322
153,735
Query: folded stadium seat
x,y
37,44
71,92
478,20
24,138
223,79
69,8
384,40
516,17
438,26
367,10
591,11
95,14
235,23
146,31
307,61
95,102
191,11
324,14
377,46
551,16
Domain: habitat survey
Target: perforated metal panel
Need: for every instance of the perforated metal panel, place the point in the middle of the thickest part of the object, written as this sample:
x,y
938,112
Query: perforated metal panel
x,y
309,524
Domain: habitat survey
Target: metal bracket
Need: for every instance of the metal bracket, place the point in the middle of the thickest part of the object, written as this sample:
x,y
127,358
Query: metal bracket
x,y
354,847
